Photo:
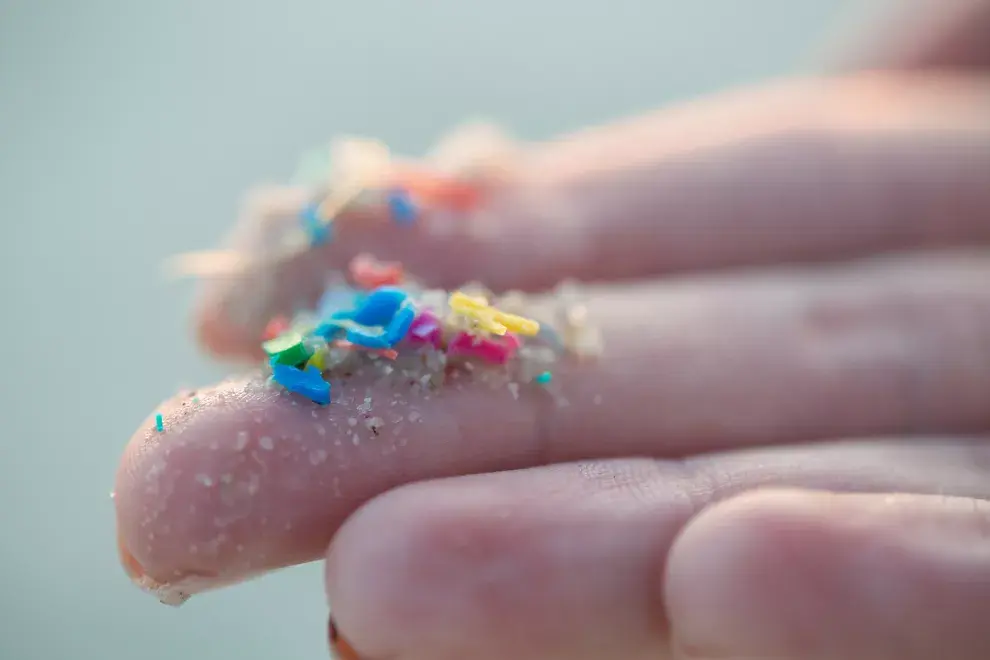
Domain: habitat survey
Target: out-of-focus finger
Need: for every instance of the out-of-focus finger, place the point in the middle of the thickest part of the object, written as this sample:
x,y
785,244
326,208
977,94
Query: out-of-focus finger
x,y
922,34
247,477
568,561
802,171
820,576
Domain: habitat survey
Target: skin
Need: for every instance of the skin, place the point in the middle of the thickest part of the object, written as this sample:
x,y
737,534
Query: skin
x,y
783,453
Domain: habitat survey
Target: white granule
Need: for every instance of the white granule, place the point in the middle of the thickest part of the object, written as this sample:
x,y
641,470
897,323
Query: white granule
x,y
514,388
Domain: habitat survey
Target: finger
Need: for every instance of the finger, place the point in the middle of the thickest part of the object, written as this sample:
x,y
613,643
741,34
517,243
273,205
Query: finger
x,y
818,576
801,171
568,561
925,34
246,477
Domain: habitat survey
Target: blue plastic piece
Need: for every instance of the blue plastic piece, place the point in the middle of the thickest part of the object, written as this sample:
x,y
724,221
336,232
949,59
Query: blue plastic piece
x,y
329,329
378,307
398,328
159,425
385,336
367,336
402,207
308,383
380,319
317,230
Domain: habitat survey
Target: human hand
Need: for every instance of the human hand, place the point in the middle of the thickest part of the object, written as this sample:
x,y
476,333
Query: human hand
x,y
621,526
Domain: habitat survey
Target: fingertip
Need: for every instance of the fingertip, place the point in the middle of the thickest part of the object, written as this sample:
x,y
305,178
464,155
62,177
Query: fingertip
x,y
213,334
231,308
220,336
153,536
438,567
186,497
738,566
378,574
826,575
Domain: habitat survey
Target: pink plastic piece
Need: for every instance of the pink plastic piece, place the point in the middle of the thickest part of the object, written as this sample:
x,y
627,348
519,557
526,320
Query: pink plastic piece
x,y
497,351
425,329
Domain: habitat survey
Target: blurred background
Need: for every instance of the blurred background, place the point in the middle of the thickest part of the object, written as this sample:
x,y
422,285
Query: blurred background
x,y
129,130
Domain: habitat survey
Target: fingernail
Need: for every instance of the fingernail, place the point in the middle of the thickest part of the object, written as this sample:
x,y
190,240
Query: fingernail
x,y
339,647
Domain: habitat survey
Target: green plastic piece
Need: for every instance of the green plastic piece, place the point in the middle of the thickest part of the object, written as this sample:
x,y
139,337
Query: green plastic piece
x,y
288,349
544,378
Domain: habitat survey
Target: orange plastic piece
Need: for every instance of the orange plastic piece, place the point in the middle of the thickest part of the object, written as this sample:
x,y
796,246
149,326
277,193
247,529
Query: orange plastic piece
x,y
431,190
275,327
369,273
389,353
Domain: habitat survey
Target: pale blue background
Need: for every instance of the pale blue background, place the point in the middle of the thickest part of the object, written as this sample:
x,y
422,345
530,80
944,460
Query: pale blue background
x,y
129,129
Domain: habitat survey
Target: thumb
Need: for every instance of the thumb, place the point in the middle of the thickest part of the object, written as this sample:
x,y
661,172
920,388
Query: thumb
x,y
793,574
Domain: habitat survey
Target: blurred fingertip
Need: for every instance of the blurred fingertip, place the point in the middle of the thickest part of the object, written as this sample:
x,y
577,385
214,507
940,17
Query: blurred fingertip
x,y
375,598
218,336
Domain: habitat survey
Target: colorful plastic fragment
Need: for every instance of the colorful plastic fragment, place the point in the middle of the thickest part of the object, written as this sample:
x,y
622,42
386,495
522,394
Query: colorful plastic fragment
x,y
380,319
401,207
288,349
275,327
308,382
426,329
330,328
375,316
367,336
495,350
488,318
382,337
371,274
159,424
437,191
399,326
378,307
316,229
317,360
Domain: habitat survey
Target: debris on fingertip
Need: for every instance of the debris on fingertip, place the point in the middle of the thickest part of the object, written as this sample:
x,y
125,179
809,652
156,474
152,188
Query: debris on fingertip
x,y
374,335
375,316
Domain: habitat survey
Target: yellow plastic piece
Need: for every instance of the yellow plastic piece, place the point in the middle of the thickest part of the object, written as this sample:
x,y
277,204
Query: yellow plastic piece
x,y
489,318
317,360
